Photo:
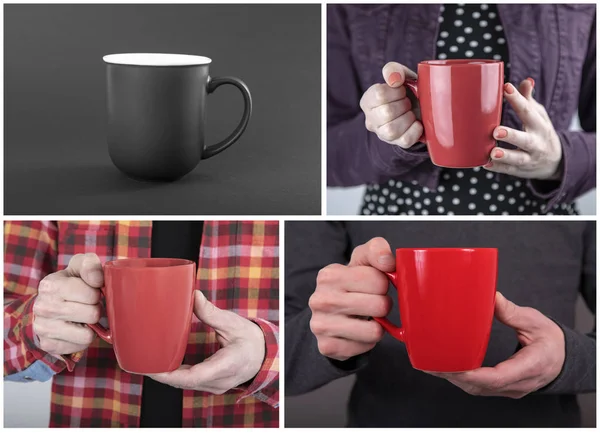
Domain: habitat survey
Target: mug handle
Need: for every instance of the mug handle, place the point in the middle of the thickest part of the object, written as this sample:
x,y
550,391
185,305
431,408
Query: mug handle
x,y
213,83
395,331
101,330
413,85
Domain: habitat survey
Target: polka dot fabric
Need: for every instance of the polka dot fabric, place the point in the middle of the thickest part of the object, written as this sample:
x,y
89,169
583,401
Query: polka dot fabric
x,y
466,31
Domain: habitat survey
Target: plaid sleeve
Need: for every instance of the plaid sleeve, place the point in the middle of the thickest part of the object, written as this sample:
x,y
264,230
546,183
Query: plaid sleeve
x,y
30,253
265,385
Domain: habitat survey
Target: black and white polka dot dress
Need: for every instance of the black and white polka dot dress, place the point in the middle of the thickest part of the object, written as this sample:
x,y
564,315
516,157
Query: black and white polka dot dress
x,y
466,31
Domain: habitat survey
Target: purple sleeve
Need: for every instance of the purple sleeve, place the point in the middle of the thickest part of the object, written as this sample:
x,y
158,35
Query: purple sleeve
x,y
356,156
579,147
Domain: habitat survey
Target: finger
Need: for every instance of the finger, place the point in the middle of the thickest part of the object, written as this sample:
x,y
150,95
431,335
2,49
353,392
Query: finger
x,y
350,303
500,378
376,253
59,347
180,378
526,88
363,331
388,112
342,349
523,107
518,318
512,170
79,313
395,131
395,74
74,289
65,331
517,158
523,140
88,267
381,94
364,279
411,136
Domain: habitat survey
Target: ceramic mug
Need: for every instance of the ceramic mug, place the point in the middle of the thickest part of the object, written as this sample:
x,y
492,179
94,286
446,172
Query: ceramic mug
x,y
149,307
461,105
446,298
157,110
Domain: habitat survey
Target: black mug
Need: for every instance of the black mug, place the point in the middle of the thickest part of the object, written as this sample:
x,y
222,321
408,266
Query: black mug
x,y
157,112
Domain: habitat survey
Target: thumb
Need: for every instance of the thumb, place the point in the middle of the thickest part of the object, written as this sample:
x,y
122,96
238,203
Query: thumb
x,y
396,74
375,253
510,314
208,313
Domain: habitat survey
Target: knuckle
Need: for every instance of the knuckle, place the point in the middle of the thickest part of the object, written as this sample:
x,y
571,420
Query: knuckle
x,y
403,141
327,346
321,303
379,93
329,274
43,309
375,244
48,286
386,112
386,132
317,326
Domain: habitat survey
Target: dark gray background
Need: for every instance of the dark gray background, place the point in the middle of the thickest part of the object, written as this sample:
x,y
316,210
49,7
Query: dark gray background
x,y
56,158
326,407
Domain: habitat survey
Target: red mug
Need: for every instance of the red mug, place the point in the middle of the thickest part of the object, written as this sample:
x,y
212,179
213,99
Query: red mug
x,y
461,105
446,298
149,307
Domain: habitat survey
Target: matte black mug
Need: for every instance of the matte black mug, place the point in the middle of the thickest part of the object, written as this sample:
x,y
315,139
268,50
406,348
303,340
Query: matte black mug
x,y
157,111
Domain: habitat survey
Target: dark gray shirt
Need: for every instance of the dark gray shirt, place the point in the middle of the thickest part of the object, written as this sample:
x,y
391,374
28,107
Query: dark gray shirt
x,y
544,265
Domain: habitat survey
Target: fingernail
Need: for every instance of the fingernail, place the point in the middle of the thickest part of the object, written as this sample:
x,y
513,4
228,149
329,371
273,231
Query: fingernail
x,y
508,88
501,133
532,81
386,260
394,78
489,164
498,153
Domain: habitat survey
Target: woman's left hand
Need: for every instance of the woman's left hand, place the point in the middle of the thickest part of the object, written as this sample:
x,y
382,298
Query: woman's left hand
x,y
539,151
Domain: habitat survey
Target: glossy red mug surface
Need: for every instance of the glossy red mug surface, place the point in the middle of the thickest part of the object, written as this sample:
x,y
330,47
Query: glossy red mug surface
x,y
149,307
446,298
461,104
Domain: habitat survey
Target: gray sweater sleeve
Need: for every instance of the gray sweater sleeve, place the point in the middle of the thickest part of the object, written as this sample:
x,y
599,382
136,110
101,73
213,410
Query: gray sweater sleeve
x,y
309,246
578,374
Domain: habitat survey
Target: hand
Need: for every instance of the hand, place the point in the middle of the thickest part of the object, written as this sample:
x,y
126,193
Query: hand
x,y
346,295
389,111
537,364
539,152
65,301
241,355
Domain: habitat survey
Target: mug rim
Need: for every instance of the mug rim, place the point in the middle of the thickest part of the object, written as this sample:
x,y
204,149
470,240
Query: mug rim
x,y
459,62
126,263
156,59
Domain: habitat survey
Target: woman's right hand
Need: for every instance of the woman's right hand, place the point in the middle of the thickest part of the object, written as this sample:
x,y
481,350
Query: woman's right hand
x,y
389,110
66,300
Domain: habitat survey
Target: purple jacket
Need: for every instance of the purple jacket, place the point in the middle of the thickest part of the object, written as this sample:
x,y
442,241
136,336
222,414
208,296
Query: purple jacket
x,y
554,44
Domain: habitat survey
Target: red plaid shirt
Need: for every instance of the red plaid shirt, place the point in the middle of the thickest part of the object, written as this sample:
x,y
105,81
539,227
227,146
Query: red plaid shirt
x,y
238,270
